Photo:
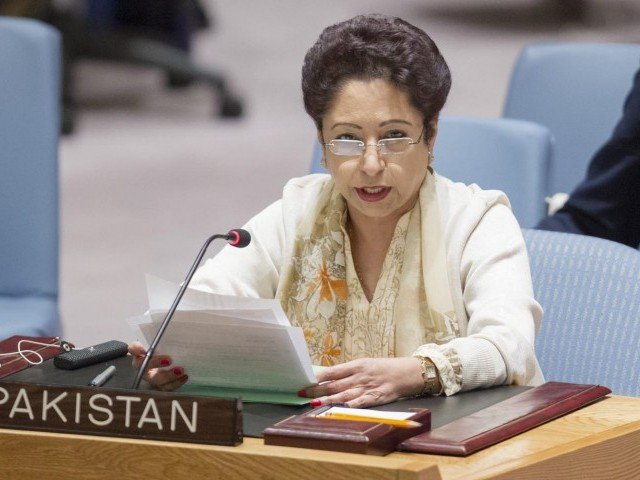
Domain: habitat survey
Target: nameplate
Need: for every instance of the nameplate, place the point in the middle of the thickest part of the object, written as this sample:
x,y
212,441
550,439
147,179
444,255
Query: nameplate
x,y
144,414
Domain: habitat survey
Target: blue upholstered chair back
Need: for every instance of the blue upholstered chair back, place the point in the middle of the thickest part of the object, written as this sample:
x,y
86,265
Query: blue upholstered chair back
x,y
590,291
577,91
29,126
501,154
316,159
508,155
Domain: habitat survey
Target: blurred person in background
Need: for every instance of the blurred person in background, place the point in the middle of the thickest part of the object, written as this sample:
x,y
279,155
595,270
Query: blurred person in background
x,y
606,203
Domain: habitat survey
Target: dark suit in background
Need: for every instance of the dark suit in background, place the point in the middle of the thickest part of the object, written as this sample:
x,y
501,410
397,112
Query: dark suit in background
x,y
607,202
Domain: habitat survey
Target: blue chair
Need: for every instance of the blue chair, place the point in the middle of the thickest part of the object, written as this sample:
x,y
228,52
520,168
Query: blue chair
x,y
576,90
316,159
29,129
590,291
496,153
508,155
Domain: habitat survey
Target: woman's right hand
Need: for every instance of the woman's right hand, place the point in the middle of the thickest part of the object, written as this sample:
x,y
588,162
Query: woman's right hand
x,y
158,373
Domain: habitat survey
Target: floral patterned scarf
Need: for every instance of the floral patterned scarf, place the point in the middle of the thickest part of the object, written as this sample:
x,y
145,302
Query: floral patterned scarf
x,y
412,303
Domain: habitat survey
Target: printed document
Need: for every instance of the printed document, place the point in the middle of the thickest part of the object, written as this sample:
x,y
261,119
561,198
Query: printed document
x,y
229,346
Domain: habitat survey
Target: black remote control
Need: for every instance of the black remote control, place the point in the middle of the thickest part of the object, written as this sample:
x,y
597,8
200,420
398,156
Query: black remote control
x,y
88,356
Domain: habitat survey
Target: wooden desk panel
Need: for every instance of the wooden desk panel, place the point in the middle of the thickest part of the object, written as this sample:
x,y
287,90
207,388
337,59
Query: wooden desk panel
x,y
601,441
590,443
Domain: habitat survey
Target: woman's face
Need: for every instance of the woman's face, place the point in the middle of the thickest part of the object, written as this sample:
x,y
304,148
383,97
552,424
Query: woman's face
x,y
375,186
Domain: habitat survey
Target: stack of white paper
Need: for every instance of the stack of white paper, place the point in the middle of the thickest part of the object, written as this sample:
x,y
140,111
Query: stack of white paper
x,y
228,342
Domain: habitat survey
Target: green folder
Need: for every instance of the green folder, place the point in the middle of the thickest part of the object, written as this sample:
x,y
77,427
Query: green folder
x,y
248,395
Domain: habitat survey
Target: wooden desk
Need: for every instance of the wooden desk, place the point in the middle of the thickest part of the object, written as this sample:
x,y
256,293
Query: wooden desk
x,y
601,441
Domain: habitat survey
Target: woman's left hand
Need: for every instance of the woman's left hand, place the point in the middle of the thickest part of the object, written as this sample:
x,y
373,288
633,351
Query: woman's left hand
x,y
367,382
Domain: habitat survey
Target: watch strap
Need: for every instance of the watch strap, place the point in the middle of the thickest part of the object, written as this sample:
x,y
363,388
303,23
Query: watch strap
x,y
429,376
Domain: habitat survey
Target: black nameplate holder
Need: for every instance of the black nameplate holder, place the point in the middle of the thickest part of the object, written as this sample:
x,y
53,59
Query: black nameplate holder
x,y
141,414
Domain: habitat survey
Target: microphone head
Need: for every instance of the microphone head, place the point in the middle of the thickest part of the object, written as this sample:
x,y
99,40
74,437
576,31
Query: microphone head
x,y
239,238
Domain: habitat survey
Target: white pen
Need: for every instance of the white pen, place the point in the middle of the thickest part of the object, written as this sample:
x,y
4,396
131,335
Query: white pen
x,y
101,378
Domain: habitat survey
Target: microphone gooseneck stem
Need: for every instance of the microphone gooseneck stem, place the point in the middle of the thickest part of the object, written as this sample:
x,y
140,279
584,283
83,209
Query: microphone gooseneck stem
x,y
167,318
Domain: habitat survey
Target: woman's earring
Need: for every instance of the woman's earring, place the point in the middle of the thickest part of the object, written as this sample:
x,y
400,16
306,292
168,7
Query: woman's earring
x,y
431,158
323,161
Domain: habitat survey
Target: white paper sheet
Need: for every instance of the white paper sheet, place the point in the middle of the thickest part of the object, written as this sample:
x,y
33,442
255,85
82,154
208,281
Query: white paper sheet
x,y
237,356
226,341
161,294
362,412
259,317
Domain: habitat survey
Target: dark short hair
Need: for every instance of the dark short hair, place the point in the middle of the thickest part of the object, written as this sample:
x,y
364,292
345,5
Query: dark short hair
x,y
371,47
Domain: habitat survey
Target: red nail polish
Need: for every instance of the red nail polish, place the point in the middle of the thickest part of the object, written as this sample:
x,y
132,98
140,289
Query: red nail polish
x,y
178,371
302,393
316,403
165,362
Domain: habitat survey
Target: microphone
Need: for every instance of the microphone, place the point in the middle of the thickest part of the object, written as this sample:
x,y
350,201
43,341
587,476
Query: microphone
x,y
237,238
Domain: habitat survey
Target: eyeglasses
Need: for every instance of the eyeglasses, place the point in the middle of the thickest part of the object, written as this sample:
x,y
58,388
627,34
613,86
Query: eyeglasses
x,y
386,146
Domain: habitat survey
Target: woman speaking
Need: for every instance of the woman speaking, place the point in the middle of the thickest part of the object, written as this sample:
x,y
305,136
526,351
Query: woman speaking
x,y
403,282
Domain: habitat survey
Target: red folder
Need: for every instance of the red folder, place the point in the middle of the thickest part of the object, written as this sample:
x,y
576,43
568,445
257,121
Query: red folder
x,y
14,363
505,419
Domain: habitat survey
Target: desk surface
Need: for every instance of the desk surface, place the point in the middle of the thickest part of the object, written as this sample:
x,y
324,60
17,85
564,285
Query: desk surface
x,y
601,441
257,417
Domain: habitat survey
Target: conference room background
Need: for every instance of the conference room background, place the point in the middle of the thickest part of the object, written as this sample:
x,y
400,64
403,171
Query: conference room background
x,y
150,172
